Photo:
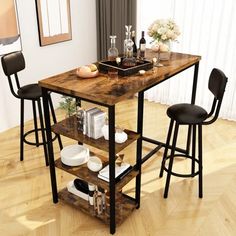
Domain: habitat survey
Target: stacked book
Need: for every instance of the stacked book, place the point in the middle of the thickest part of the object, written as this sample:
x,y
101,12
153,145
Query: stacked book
x,y
94,120
120,171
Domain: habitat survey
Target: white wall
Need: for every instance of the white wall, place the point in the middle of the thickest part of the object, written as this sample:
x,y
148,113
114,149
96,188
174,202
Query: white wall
x,y
42,62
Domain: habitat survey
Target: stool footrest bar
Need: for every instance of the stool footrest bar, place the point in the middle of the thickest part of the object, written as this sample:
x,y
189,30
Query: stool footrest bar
x,y
178,174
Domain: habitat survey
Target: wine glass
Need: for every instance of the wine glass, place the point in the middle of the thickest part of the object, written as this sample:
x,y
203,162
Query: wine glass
x,y
118,61
156,60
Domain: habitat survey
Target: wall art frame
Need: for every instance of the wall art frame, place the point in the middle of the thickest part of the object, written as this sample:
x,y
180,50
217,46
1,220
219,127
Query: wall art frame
x,y
54,21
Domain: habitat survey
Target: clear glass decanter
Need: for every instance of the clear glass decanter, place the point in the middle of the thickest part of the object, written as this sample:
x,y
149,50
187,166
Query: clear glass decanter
x,y
129,59
113,51
125,44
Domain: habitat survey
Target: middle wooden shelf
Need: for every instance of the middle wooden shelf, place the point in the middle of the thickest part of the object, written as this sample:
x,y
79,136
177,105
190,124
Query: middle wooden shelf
x,y
68,128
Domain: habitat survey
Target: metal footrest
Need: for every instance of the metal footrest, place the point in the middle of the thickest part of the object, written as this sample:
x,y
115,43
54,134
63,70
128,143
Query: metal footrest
x,y
35,143
182,175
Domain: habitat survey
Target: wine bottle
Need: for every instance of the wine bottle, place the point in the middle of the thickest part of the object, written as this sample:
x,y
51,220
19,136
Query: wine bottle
x,y
142,46
134,45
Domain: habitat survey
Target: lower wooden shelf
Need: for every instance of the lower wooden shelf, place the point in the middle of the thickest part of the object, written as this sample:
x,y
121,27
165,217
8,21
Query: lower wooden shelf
x,y
91,177
124,206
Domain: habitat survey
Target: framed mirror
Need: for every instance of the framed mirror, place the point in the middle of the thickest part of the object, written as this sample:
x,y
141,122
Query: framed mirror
x,y
9,28
54,21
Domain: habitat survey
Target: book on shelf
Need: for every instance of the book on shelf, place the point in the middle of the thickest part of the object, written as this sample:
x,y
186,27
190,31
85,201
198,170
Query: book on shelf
x,y
91,122
120,171
85,119
97,122
94,119
88,119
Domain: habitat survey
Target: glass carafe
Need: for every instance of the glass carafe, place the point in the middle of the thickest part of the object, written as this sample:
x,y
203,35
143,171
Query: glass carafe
x,y
125,44
129,59
113,51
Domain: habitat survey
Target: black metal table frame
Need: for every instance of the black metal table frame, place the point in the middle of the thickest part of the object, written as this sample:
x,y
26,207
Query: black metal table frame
x,y
111,117
140,120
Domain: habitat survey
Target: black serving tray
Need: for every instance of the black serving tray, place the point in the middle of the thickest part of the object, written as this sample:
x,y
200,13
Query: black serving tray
x,y
124,71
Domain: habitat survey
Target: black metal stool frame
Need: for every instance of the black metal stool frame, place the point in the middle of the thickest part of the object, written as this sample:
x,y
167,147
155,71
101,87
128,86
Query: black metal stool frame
x,y
12,63
192,157
217,84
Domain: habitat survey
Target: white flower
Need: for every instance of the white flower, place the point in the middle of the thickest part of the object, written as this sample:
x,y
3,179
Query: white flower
x,y
164,37
163,30
169,34
160,31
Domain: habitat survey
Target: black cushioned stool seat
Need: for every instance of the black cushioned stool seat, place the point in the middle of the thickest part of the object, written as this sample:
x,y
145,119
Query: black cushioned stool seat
x,y
194,117
186,113
31,91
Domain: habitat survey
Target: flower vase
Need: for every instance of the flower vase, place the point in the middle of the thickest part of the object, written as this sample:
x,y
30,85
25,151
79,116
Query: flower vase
x,y
165,50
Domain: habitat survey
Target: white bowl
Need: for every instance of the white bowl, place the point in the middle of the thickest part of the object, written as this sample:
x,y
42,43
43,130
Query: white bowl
x,y
121,137
74,155
94,164
86,74
141,72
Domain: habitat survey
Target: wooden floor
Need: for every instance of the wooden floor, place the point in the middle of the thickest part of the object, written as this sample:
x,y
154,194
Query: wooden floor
x,y
26,206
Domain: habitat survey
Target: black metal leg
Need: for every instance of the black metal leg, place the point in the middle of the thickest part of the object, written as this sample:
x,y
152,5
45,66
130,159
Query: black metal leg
x,y
193,149
139,147
171,160
54,119
49,144
35,124
194,88
43,132
200,159
111,117
188,140
166,148
78,102
22,129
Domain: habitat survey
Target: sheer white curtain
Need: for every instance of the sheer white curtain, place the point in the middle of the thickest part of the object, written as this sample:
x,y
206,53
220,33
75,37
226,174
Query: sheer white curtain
x,y
207,29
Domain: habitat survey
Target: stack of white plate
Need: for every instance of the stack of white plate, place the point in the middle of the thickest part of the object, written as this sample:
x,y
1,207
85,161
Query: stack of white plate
x,y
74,155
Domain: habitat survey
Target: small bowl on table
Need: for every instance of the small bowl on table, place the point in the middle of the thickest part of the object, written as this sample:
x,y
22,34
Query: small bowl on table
x,y
89,71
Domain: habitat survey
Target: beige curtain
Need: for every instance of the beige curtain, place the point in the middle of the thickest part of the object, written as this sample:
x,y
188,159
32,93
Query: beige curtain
x,y
207,29
112,16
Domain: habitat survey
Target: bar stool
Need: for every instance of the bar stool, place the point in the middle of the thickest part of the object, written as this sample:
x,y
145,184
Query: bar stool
x,y
194,116
12,63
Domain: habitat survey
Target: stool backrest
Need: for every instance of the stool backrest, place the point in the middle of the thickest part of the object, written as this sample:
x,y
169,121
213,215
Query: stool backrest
x,y
12,63
217,83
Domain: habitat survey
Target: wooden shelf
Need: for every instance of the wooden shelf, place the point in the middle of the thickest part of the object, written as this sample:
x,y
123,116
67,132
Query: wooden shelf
x,y
68,128
91,177
124,206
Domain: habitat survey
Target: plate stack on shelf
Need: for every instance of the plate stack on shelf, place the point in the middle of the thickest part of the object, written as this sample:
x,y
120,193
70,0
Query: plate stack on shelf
x,y
74,155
